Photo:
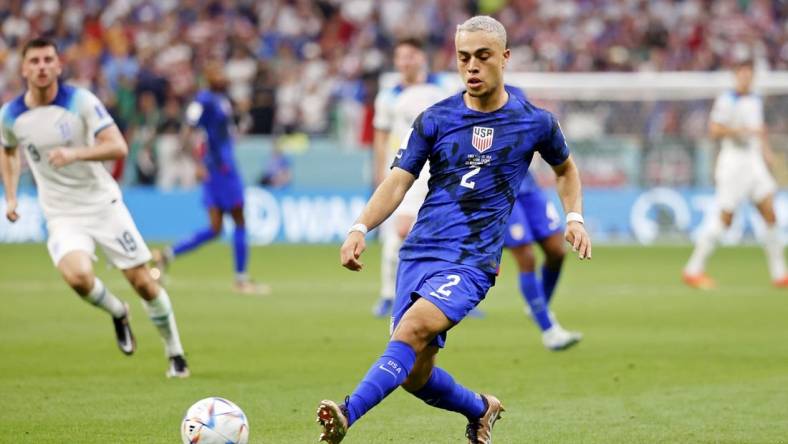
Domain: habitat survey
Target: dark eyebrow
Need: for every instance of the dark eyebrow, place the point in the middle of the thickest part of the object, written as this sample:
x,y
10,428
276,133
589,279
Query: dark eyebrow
x,y
478,51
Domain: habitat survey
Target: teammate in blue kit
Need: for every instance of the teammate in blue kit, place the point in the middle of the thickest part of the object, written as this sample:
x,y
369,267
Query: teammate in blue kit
x,y
222,185
479,144
535,219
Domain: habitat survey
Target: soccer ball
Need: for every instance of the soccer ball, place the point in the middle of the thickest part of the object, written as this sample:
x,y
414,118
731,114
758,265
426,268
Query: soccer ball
x,y
214,421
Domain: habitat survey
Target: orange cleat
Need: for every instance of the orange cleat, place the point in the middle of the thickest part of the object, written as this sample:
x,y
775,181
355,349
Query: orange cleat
x,y
781,283
700,281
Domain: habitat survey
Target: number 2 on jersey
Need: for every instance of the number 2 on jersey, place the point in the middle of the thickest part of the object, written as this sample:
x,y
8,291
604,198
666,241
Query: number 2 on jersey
x,y
442,292
467,183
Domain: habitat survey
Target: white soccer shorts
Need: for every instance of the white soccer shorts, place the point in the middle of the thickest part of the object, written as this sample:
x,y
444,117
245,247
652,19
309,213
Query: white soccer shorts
x,y
740,181
111,227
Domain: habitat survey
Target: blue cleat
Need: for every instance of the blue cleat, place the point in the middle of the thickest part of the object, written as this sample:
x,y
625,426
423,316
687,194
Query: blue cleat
x,y
382,308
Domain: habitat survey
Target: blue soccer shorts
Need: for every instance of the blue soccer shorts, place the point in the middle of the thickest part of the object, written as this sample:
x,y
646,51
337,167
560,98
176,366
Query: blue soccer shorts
x,y
533,218
223,190
454,288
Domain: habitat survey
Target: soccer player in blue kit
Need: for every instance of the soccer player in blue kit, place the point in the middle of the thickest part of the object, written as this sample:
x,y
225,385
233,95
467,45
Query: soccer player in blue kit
x,y
222,185
479,144
535,219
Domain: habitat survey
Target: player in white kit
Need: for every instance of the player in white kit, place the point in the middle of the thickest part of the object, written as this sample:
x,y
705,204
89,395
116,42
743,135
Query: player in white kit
x,y
741,174
66,132
395,110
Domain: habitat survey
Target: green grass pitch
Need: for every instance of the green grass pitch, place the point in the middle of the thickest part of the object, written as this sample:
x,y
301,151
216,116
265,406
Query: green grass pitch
x,y
660,363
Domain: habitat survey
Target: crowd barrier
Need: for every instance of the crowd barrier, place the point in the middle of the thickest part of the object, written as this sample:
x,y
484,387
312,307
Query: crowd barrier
x,y
628,215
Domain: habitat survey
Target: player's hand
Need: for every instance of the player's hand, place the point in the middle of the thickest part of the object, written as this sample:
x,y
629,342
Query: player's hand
x,y
10,210
351,251
201,173
60,157
576,235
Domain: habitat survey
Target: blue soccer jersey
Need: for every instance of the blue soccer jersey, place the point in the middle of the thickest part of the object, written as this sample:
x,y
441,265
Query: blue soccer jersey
x,y
212,112
477,163
223,187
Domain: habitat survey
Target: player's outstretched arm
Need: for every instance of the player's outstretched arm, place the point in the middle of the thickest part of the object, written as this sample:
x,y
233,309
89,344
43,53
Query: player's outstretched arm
x,y
109,145
383,202
9,166
570,192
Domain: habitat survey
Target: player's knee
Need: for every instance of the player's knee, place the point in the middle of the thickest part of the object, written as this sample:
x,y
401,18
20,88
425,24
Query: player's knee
x,y
216,228
143,284
524,256
413,333
726,219
81,280
554,258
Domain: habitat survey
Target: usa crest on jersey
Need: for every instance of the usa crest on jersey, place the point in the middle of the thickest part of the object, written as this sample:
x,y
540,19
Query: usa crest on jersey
x,y
482,138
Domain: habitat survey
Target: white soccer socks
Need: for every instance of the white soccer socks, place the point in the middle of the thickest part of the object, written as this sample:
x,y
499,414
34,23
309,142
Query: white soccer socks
x,y
388,266
102,298
160,313
773,247
704,247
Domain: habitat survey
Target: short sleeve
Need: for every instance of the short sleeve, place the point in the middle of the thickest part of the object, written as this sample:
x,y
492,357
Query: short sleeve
x,y
382,119
93,112
553,148
416,145
722,110
7,136
194,113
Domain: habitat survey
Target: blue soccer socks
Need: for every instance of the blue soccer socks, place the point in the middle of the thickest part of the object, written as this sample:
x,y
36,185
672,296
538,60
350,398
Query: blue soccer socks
x,y
193,242
534,296
443,392
549,281
240,250
385,375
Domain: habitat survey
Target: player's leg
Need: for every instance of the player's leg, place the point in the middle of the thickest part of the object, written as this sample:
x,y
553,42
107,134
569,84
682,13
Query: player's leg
x,y
421,323
554,253
695,270
163,257
772,244
389,260
71,249
159,308
530,287
436,387
518,239
243,283
733,185
124,247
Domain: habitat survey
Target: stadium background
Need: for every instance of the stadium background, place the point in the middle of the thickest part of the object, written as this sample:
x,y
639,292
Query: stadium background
x,y
659,362
303,76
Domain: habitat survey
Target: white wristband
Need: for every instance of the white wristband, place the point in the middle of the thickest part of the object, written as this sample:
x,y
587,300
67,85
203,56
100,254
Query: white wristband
x,y
574,217
361,228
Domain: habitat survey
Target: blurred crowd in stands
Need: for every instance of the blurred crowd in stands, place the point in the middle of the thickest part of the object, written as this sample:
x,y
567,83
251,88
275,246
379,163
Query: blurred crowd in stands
x,y
312,66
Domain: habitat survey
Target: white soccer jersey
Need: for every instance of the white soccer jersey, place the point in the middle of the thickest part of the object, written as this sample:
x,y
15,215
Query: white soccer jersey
x,y
739,111
741,171
72,119
408,105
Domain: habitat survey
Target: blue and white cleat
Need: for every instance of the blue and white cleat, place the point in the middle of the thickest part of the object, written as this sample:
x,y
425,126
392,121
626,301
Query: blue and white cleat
x,y
556,338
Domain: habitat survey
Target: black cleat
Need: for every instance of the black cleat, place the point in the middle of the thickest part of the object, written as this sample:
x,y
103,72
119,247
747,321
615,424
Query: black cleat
x,y
126,342
178,367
